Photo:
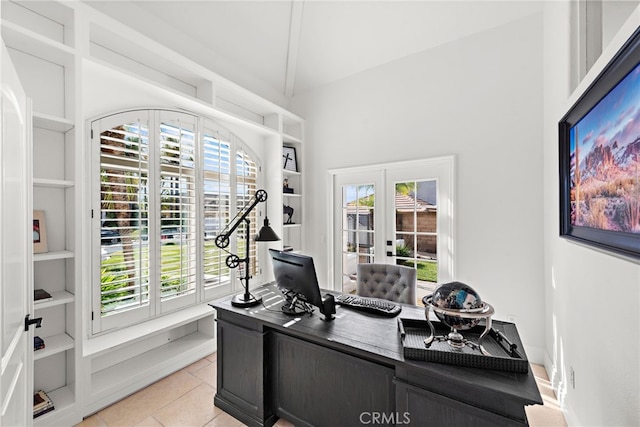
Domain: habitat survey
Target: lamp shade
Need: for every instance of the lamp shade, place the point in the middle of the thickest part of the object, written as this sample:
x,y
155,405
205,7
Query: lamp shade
x,y
266,233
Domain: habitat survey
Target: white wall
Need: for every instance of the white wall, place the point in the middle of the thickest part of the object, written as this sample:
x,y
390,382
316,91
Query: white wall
x,y
479,99
614,14
592,320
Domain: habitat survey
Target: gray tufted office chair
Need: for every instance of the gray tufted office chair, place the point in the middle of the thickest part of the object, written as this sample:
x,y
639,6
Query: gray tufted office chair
x,y
387,281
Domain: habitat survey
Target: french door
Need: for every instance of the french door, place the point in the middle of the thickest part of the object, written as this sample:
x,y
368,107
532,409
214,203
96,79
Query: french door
x,y
397,213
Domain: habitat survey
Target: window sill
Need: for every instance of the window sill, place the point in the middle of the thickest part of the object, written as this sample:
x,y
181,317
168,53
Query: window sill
x,y
114,340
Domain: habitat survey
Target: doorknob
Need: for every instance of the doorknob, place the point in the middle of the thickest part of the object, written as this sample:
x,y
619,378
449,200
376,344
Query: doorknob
x,y
28,322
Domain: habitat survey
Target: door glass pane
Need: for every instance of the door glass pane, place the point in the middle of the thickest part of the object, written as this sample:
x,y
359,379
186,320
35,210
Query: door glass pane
x,y
358,235
405,207
426,202
416,230
348,237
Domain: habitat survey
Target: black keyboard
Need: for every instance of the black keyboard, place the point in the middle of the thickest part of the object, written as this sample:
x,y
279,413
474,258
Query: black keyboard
x,y
372,305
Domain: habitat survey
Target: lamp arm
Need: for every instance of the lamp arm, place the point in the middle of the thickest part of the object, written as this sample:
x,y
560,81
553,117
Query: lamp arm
x,y
222,240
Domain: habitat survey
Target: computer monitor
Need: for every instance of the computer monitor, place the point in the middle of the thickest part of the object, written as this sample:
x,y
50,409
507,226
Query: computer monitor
x,y
296,276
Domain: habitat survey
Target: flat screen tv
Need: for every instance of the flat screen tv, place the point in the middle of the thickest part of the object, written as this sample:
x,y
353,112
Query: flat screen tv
x,y
600,158
296,276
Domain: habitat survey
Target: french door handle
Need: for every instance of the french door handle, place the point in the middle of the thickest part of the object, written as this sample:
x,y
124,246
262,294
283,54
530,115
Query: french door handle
x,y
28,322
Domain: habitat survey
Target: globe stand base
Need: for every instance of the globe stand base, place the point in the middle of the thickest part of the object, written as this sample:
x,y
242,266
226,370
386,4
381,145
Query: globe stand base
x,y
456,340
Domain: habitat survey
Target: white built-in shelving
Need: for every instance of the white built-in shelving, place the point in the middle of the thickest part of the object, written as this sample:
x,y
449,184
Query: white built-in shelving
x,y
292,136
292,232
54,46
39,37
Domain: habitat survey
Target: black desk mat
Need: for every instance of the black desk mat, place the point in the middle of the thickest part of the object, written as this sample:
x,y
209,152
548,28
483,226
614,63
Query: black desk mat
x,y
441,352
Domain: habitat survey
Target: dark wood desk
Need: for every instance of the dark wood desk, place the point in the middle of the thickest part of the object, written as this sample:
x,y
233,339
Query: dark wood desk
x,y
349,372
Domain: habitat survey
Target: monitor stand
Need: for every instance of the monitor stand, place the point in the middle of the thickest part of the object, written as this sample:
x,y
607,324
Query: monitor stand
x,y
295,304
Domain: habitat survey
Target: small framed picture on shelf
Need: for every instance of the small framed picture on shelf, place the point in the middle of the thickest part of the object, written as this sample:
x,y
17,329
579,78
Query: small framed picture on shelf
x,y
289,161
39,232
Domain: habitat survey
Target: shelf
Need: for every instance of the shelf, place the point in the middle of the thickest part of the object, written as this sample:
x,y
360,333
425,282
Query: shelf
x,y
128,43
47,121
291,225
291,173
62,399
291,139
52,183
292,128
35,44
48,256
124,337
146,364
59,298
53,345
103,69
291,195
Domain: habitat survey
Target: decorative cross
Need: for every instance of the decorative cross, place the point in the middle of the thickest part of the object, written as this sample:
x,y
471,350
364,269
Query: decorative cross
x,y
286,159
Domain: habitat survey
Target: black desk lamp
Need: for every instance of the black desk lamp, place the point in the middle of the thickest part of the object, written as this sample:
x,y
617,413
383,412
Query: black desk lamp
x,y
266,234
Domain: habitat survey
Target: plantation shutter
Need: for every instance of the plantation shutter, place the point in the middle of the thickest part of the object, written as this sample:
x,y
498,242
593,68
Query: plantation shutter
x,y
177,182
246,173
163,188
216,207
123,220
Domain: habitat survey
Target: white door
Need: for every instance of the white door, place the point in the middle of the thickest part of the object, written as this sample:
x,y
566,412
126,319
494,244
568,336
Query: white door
x,y
15,252
396,213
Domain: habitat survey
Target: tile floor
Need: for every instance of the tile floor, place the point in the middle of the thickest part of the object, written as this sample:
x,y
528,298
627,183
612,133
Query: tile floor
x,y
185,399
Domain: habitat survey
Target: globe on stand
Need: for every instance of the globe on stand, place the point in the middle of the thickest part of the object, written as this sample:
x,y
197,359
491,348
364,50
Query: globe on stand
x,y
460,307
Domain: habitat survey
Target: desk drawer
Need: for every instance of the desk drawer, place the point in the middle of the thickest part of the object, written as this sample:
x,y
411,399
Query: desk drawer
x,y
425,408
325,387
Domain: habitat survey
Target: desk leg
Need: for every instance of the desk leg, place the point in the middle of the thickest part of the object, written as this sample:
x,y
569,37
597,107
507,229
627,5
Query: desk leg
x,y
242,378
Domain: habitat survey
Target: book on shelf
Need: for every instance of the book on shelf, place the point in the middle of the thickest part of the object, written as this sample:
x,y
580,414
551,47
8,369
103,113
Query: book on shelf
x,y
40,295
38,343
42,403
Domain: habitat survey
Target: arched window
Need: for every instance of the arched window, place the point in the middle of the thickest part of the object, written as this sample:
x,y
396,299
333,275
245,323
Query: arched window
x,y
165,184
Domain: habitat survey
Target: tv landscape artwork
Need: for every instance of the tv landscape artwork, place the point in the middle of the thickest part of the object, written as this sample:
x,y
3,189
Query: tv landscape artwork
x,y
605,161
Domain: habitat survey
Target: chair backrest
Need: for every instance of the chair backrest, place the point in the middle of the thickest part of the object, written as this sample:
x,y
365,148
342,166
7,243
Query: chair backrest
x,y
387,281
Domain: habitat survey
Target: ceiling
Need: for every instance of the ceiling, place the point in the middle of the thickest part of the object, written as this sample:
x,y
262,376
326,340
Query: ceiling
x,y
283,48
